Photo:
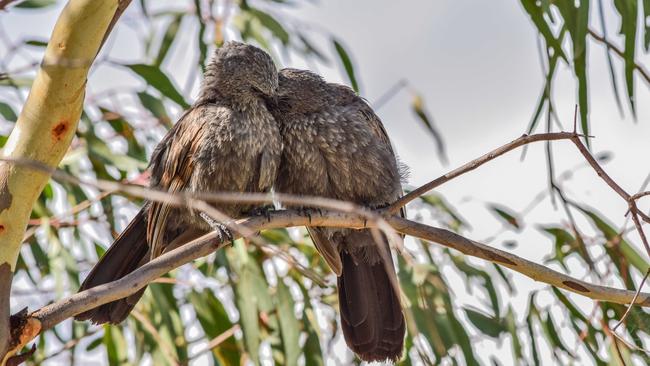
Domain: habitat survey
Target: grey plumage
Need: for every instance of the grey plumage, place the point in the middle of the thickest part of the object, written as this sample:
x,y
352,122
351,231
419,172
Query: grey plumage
x,y
335,146
227,141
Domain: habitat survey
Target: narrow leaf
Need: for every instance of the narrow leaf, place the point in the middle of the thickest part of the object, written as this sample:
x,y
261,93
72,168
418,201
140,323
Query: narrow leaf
x,y
347,64
271,24
423,115
168,38
628,10
34,4
508,217
7,112
157,79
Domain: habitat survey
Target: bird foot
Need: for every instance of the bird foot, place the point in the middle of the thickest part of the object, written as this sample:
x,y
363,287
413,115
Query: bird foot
x,y
263,211
225,235
309,211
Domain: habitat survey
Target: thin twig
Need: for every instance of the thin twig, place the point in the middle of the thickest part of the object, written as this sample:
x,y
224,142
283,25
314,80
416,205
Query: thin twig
x,y
523,140
5,3
149,327
390,93
629,308
644,73
216,341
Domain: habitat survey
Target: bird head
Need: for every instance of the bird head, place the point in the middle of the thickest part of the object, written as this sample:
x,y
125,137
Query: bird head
x,y
240,72
301,91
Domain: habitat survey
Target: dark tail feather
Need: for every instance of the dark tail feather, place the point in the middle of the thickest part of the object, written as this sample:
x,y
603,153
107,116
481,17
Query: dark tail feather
x,y
371,314
128,252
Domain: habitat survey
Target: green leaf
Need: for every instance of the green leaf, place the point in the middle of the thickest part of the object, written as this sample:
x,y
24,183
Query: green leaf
x,y
311,50
157,79
165,315
577,22
545,95
156,107
116,347
646,15
168,38
347,64
98,149
487,324
628,10
508,216
425,118
575,313
552,336
511,326
7,112
289,324
271,24
126,130
36,42
248,299
214,320
312,351
33,4
536,12
608,55
203,47
530,318
435,200
632,256
475,273
460,335
504,277
564,244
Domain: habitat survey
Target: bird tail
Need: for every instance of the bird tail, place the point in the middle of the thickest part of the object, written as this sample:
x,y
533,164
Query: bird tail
x,y
371,314
129,251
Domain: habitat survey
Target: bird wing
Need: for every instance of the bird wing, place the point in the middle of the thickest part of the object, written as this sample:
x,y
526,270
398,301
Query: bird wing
x,y
327,249
380,131
172,164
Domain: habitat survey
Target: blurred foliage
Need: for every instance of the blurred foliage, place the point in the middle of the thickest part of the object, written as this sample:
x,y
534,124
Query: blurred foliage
x,y
246,304
561,23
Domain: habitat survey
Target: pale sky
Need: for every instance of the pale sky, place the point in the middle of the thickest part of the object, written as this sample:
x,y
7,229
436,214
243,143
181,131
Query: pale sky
x,y
477,67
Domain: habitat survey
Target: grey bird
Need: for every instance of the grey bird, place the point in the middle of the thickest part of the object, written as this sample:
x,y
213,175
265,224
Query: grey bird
x,y
335,146
226,141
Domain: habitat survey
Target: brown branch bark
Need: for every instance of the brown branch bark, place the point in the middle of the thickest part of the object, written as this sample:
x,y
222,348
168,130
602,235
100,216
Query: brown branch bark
x,y
5,3
524,140
642,71
521,141
50,315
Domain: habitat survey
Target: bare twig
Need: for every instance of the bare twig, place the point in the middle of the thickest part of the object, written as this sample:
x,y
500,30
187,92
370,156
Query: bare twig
x,y
216,341
5,3
629,308
642,71
523,140
390,93
156,336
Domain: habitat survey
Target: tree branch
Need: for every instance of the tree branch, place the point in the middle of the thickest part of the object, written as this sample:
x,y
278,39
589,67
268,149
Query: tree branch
x,y
5,3
523,140
50,315
642,71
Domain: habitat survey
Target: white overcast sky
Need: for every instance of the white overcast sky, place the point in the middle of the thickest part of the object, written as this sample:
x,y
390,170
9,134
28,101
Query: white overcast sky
x,y
476,65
